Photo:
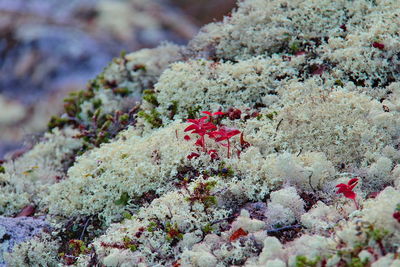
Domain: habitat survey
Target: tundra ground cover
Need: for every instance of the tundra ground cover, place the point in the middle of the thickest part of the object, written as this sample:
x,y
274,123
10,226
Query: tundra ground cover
x,y
307,119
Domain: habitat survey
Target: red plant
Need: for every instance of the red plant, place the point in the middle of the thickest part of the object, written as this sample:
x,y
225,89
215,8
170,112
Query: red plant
x,y
380,46
193,155
213,114
224,134
205,126
243,145
347,190
238,233
200,127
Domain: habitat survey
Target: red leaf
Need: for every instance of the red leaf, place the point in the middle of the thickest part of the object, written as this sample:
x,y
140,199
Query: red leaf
x,y
237,234
199,142
396,215
300,53
193,155
27,211
213,154
380,46
207,112
347,189
350,194
244,144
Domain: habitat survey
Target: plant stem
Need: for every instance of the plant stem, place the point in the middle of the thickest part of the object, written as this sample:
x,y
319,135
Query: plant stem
x,y
229,146
355,202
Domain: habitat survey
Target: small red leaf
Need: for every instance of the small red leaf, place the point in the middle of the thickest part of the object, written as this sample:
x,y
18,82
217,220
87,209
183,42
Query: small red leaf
x,y
27,211
193,155
380,46
237,234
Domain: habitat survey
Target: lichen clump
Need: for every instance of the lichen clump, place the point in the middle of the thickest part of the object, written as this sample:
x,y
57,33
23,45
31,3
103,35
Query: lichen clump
x,y
309,89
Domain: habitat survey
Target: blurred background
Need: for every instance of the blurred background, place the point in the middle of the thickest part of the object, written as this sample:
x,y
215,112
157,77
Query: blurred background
x,y
51,47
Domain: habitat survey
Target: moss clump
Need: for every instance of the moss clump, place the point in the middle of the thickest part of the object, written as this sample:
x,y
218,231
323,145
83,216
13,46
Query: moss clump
x,y
153,118
303,261
150,96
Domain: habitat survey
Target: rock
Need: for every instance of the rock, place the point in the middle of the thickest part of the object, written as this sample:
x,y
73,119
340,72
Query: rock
x,y
17,230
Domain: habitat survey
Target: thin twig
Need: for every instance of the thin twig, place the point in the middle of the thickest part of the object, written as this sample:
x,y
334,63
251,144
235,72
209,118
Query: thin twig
x,y
279,124
285,228
84,227
225,219
309,181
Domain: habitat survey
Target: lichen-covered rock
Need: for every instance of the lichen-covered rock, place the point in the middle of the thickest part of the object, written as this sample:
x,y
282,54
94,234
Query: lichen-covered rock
x,y
17,230
309,102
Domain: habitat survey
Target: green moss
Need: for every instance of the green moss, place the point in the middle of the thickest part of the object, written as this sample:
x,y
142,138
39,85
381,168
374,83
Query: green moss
x,y
207,229
173,109
127,215
123,200
202,193
193,112
294,47
271,115
150,96
339,83
152,118
303,261
357,262
173,232
122,91
56,121
152,227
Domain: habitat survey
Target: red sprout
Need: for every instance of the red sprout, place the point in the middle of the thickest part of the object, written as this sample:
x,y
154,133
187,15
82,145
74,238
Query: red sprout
x,y
224,134
347,190
200,127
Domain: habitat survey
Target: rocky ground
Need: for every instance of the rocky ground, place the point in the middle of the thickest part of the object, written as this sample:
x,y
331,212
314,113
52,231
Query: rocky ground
x,y
270,139
50,48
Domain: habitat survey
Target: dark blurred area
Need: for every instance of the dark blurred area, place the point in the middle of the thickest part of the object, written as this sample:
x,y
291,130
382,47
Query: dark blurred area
x,y
49,48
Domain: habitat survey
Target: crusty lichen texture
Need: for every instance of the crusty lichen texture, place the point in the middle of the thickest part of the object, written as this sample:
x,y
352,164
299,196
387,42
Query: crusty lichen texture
x,y
313,88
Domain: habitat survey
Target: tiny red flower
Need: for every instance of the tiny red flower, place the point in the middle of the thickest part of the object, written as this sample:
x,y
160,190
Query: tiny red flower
x,y
238,233
186,137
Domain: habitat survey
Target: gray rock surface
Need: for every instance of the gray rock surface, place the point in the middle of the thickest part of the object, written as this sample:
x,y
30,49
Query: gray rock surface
x,y
17,230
